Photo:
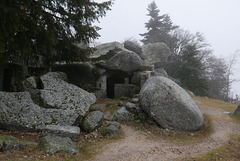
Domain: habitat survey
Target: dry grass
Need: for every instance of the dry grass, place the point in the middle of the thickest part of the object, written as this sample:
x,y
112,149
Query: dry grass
x,y
225,106
89,146
229,151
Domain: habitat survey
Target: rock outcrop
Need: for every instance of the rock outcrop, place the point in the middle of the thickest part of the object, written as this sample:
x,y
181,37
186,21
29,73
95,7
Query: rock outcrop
x,y
57,102
60,94
169,105
19,112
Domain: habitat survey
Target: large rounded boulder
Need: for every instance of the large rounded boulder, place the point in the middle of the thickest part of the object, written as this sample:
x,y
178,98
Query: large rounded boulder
x,y
124,61
132,46
102,50
170,105
158,54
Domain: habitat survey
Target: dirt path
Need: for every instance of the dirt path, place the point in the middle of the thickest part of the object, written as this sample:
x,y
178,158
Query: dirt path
x,y
136,147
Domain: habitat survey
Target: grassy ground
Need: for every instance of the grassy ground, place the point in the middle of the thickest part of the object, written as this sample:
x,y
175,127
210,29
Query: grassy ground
x,y
225,106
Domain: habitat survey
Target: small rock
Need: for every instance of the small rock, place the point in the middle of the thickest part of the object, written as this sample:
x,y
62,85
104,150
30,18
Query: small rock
x,y
112,130
10,143
115,123
92,121
56,144
97,107
135,100
131,107
121,103
123,115
227,113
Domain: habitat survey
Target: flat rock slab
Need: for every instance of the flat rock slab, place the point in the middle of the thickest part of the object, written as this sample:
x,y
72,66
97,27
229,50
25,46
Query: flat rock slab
x,y
72,132
58,103
56,144
60,94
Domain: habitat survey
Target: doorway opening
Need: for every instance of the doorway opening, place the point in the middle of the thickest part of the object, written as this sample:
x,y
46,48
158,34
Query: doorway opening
x,y
116,78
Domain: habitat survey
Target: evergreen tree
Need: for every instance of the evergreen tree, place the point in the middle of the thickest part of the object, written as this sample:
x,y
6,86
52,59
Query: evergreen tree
x,y
45,30
159,27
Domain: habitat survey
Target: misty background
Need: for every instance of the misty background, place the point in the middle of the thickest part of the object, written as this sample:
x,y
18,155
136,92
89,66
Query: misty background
x,y
217,20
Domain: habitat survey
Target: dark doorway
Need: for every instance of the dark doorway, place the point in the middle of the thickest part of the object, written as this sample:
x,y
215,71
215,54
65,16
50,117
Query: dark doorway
x,y
117,78
12,75
8,80
1,78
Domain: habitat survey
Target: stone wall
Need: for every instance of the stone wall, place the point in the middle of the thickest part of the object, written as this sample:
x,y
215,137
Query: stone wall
x,y
101,86
125,90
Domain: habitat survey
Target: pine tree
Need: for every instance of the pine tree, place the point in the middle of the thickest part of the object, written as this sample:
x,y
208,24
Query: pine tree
x,y
45,30
153,25
159,27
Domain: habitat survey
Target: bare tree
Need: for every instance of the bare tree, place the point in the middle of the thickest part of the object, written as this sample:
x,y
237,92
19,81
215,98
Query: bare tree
x,y
230,72
216,69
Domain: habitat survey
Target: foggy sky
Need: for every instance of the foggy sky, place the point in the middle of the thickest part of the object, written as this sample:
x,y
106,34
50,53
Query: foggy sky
x,y
218,20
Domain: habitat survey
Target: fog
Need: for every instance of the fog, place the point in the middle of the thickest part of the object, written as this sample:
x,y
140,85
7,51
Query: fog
x,y
218,20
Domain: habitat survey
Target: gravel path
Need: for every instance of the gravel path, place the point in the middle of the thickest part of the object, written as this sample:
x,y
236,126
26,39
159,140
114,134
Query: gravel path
x,y
136,147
